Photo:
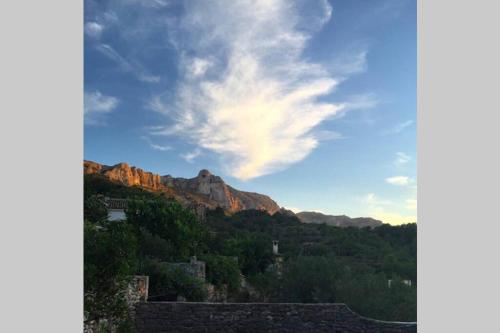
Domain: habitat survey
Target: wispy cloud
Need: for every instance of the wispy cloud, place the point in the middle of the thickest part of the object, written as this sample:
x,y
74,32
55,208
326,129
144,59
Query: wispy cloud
x,y
350,62
398,180
93,29
148,3
257,102
156,146
96,105
401,159
398,128
127,65
373,200
191,156
198,66
159,147
326,135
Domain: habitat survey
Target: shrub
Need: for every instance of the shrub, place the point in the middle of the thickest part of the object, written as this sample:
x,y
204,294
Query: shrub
x,y
170,280
222,270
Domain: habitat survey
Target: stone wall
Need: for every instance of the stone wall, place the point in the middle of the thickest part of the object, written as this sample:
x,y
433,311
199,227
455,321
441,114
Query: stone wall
x,y
258,317
193,268
137,291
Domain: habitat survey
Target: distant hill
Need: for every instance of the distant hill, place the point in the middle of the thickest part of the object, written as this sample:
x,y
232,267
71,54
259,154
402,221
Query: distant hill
x,y
338,220
206,189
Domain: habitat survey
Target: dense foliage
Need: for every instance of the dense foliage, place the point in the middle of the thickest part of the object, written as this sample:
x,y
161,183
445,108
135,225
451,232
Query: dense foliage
x,y
317,263
109,262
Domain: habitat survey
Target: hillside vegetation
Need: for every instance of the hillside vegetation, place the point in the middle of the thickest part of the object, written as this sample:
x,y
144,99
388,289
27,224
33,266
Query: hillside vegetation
x,y
316,262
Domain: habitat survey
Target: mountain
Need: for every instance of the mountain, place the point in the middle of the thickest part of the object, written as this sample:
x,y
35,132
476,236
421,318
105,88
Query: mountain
x,y
209,191
339,220
205,190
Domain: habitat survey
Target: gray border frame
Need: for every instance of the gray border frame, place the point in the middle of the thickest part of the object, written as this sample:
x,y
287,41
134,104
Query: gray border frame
x,y
41,140
41,136
458,154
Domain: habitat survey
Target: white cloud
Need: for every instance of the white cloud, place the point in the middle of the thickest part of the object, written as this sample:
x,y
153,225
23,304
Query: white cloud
x,y
198,66
350,62
398,180
326,135
402,158
373,200
127,65
191,156
93,29
95,105
398,128
156,146
257,104
148,3
160,147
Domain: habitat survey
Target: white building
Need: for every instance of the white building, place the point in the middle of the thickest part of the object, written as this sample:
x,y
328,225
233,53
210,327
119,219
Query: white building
x,y
116,209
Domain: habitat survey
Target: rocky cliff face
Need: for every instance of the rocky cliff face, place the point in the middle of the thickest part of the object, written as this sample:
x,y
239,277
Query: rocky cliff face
x,y
205,189
338,221
123,173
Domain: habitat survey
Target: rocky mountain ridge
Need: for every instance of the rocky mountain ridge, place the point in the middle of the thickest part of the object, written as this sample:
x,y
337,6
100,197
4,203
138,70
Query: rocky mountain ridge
x,y
206,189
338,220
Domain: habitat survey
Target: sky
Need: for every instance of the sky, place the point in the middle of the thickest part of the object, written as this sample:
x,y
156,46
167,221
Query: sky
x,y
310,102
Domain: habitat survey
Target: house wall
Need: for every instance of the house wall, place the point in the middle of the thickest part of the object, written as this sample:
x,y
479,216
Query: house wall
x,y
116,214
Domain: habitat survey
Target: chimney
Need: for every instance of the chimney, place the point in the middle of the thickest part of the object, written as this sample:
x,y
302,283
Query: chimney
x,y
275,247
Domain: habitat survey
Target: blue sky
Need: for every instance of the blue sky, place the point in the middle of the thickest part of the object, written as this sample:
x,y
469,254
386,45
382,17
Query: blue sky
x,y
310,102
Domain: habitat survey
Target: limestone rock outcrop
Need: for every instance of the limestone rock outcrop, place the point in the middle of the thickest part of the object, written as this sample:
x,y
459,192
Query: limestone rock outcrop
x,y
123,173
206,189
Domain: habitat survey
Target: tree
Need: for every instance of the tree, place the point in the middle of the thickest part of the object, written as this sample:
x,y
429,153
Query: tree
x,y
309,280
254,252
94,209
222,270
109,263
169,221
166,280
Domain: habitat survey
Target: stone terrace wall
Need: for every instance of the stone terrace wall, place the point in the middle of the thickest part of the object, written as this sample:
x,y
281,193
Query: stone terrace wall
x,y
258,317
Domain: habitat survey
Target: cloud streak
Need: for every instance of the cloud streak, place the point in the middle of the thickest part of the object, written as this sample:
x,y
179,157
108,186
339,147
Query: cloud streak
x,y
246,92
156,146
402,159
127,65
398,128
93,29
373,200
96,105
191,156
398,180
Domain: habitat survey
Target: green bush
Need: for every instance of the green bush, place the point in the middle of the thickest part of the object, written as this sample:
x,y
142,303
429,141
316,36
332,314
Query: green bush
x,y
94,209
222,270
170,280
309,280
168,221
109,262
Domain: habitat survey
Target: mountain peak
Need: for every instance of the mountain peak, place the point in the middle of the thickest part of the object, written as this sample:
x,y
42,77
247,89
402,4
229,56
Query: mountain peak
x,y
204,173
206,189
